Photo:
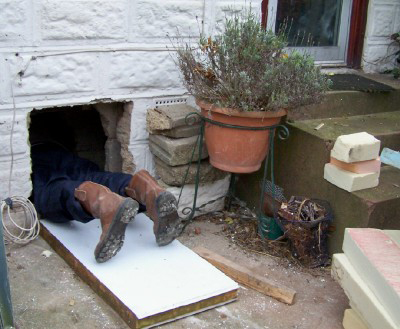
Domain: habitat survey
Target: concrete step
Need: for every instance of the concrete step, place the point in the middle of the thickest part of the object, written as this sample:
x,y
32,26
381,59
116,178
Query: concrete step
x,y
384,126
299,169
350,103
303,157
376,258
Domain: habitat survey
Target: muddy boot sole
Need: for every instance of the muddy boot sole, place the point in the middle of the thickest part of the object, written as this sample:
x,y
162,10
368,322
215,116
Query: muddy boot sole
x,y
113,240
169,224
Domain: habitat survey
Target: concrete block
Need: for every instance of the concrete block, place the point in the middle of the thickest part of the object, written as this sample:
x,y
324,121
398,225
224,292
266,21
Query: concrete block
x,y
175,175
362,299
163,18
138,71
83,20
352,320
110,114
376,258
350,181
113,157
175,152
207,192
360,167
179,132
382,24
356,147
168,117
74,73
13,19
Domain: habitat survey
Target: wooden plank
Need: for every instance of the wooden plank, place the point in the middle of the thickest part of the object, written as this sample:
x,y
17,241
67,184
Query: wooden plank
x,y
246,277
111,299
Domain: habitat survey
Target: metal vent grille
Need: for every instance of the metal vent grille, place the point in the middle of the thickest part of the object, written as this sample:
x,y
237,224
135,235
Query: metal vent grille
x,y
169,101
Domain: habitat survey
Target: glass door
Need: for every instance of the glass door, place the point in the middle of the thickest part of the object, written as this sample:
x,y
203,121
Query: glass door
x,y
319,27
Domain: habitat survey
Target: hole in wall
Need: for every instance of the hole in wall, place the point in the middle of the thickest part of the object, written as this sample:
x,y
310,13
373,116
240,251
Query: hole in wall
x,y
77,129
97,132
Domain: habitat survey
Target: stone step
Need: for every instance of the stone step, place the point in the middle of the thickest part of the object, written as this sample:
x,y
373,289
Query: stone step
x,y
299,169
175,152
180,132
376,258
350,103
169,117
384,126
362,299
174,176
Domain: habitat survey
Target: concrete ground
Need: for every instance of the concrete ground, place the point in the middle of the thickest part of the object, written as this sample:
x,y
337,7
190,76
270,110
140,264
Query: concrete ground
x,y
47,294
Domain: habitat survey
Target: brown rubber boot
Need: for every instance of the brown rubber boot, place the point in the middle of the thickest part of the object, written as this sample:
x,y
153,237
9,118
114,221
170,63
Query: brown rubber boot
x,y
161,206
114,211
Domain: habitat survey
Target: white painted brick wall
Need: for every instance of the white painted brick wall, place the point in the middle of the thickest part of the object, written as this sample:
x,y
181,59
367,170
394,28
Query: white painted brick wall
x,y
82,20
14,22
383,20
56,53
162,18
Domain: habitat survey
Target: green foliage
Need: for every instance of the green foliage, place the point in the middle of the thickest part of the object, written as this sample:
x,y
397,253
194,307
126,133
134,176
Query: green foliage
x,y
246,68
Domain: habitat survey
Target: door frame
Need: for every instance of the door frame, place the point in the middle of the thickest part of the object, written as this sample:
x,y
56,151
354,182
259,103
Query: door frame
x,y
358,22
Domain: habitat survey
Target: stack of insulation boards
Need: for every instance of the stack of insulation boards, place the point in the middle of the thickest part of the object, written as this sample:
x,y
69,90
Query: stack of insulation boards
x,y
369,273
355,163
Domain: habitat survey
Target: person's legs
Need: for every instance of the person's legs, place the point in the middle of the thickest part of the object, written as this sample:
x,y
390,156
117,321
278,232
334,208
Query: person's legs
x,y
114,212
61,194
161,206
116,182
56,202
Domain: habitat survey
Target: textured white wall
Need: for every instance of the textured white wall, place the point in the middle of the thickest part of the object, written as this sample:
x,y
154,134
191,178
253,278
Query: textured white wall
x,y
55,53
383,20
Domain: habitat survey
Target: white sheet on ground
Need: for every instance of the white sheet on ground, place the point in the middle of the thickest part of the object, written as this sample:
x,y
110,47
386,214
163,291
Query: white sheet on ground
x,y
148,279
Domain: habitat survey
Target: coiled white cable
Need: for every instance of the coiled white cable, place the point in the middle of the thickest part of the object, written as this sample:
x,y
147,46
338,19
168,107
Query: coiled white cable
x,y
21,230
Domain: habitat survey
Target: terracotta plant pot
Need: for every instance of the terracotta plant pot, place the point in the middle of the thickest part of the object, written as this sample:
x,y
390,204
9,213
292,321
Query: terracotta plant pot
x,y
237,150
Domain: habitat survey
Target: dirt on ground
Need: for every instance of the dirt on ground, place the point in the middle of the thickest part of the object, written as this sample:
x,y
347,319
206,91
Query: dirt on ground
x,y
47,294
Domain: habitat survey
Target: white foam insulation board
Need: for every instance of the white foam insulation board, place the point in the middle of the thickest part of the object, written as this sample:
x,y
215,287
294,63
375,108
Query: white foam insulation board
x,y
146,284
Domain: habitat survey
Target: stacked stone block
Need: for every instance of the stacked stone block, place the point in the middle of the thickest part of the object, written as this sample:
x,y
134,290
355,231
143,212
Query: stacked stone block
x,y
355,163
174,144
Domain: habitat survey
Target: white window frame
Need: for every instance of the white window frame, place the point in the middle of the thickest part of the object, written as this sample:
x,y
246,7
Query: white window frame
x,y
326,55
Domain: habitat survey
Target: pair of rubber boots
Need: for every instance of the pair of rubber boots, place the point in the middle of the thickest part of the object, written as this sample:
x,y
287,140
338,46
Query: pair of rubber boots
x,y
115,211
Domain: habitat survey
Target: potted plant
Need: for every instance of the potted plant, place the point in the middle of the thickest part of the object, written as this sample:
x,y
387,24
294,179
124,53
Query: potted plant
x,y
245,77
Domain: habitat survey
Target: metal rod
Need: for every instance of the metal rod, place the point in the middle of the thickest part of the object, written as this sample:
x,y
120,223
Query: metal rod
x,y
6,312
231,192
196,184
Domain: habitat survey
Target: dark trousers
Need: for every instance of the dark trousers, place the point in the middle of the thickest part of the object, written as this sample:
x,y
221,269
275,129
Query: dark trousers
x,y
57,173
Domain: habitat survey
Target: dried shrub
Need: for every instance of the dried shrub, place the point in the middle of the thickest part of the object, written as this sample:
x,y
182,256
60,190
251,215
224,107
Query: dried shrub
x,y
247,67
